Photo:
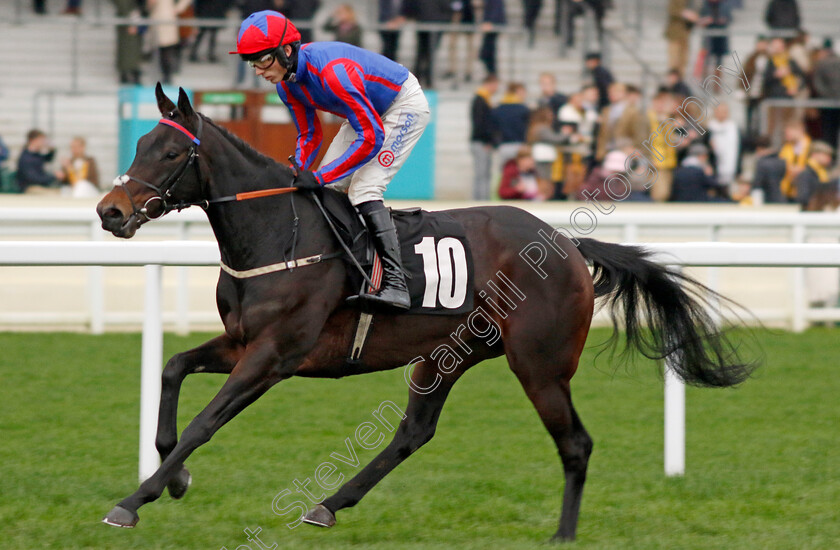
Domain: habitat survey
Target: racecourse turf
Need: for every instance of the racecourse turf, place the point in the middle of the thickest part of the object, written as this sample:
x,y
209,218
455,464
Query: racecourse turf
x,y
763,460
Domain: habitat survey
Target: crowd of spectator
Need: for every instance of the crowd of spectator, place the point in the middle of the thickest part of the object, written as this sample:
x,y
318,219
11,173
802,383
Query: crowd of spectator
x,y
77,177
575,142
557,143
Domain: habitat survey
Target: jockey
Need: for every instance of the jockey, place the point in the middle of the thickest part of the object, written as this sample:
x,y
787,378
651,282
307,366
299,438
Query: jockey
x,y
385,112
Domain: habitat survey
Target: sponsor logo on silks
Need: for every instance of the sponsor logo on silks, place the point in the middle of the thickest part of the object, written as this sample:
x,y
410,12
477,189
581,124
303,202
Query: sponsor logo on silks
x,y
399,141
386,158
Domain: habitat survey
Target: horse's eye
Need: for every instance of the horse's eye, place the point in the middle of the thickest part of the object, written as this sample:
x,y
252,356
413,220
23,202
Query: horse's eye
x,y
171,155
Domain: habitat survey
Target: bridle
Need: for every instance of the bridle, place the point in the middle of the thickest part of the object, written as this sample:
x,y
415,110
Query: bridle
x,y
164,191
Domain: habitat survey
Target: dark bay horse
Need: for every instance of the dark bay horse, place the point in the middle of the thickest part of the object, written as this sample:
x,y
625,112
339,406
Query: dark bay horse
x,y
296,323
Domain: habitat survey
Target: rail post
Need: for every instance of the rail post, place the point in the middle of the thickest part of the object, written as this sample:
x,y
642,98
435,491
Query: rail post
x,y
152,353
674,419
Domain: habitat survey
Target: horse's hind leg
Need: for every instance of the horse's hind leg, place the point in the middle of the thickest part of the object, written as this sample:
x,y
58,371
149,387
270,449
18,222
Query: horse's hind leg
x,y
554,405
544,374
218,355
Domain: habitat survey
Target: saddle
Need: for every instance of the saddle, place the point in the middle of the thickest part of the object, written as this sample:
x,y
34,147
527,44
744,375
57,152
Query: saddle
x,y
435,253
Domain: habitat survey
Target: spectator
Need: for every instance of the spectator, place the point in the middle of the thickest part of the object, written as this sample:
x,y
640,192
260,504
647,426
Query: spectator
x,y
545,144
577,8
662,108
799,51
725,141
795,153
634,96
39,6
769,171
512,118
390,15
549,97
493,16
302,12
427,11
531,9
7,183
814,178
520,180
675,84
596,183
483,138
581,118
129,42
716,15
580,113
782,15
827,86
601,76
4,152
754,69
80,170
344,25
783,79
601,185
462,14
166,37
620,119
599,10
694,180
73,7
210,9
31,176
678,31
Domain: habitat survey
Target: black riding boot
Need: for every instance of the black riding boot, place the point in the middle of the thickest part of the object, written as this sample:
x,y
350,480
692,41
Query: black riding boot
x,y
393,291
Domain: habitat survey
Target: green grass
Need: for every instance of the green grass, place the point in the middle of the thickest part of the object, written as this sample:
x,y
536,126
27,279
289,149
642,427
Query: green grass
x,y
763,461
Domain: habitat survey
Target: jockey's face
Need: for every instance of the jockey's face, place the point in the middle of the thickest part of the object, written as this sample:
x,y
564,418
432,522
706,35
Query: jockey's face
x,y
274,72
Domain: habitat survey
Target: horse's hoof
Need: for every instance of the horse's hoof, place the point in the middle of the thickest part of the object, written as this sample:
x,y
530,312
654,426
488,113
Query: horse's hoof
x,y
120,517
179,484
561,539
319,516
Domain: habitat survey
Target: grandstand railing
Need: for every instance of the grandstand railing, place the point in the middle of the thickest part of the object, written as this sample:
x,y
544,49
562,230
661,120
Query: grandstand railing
x,y
188,253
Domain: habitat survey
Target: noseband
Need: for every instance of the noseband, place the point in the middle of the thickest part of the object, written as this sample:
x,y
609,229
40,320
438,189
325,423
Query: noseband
x,y
164,191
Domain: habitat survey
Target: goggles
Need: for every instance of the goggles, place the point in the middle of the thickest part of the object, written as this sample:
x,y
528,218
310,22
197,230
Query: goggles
x,y
262,63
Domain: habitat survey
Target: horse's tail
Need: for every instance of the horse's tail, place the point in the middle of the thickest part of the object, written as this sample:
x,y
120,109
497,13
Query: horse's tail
x,y
676,308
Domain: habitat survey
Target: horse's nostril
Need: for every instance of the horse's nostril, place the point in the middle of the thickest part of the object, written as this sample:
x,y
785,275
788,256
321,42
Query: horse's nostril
x,y
111,214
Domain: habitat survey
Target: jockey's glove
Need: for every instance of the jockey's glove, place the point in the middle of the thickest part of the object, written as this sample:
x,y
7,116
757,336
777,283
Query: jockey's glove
x,y
306,180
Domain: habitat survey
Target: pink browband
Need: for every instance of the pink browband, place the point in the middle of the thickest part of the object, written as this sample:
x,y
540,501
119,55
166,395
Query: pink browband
x,y
181,129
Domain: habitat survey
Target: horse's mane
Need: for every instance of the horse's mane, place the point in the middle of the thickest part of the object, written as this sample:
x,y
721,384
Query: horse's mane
x,y
263,161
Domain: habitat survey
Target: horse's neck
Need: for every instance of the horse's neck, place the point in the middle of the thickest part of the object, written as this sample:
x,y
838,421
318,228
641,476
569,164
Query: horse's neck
x,y
256,232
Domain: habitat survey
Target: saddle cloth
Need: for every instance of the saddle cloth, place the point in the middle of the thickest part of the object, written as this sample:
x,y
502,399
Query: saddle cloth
x,y
435,253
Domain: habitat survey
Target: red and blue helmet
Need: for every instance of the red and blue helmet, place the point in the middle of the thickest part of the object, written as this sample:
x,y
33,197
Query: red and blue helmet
x,y
265,30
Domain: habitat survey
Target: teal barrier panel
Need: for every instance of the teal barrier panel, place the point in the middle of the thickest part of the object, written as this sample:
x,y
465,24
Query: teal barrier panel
x,y
416,178
138,115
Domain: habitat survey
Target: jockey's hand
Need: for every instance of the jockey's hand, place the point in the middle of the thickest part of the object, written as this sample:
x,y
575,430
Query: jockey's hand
x,y
306,180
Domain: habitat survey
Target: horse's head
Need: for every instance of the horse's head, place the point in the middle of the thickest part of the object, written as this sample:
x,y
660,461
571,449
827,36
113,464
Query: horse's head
x,y
164,174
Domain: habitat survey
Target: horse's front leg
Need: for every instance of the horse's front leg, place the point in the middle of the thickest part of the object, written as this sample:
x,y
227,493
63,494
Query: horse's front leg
x,y
218,355
260,367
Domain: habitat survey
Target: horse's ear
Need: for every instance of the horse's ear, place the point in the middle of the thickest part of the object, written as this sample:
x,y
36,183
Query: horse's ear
x,y
184,105
165,104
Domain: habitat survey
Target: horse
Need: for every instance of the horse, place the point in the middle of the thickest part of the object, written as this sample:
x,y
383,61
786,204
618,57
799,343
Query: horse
x,y
296,322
